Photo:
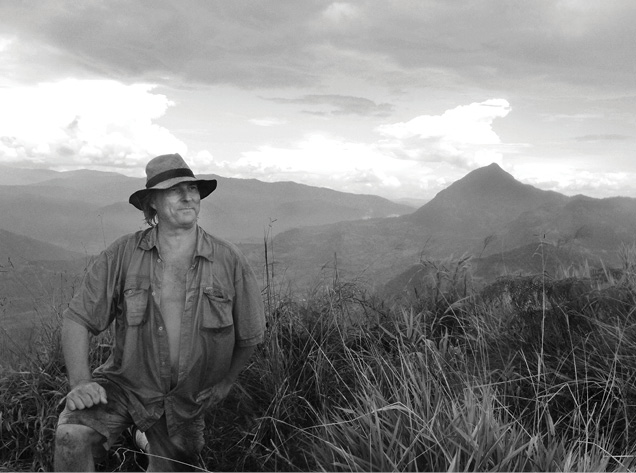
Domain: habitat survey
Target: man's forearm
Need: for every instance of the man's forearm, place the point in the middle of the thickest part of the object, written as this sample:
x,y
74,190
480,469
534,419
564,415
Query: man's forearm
x,y
75,339
240,357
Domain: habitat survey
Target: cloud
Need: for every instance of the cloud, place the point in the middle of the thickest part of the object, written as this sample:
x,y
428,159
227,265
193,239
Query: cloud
x,y
351,64
91,124
462,135
339,12
339,105
244,43
290,44
404,161
589,183
531,46
322,160
603,137
267,121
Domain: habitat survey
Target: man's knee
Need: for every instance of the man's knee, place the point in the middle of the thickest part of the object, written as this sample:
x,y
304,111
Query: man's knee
x,y
76,438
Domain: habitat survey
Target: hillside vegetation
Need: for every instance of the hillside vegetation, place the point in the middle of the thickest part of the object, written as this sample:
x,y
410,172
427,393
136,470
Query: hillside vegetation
x,y
531,373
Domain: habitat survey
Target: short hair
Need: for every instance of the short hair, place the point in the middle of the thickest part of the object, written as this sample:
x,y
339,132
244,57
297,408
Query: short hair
x,y
150,213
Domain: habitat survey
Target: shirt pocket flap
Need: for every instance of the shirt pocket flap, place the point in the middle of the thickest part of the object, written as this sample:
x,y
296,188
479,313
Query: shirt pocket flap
x,y
136,302
218,311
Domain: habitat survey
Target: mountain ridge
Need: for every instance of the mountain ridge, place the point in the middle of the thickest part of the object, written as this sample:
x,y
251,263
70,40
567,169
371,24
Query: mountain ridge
x,y
313,229
487,212
86,210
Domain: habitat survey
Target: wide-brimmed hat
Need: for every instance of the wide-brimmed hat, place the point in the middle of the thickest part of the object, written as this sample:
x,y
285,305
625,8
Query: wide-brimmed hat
x,y
166,171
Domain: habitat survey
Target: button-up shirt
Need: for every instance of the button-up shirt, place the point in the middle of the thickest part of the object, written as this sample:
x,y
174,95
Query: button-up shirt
x,y
223,308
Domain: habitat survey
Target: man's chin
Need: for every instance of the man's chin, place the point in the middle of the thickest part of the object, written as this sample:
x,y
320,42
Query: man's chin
x,y
189,223
184,223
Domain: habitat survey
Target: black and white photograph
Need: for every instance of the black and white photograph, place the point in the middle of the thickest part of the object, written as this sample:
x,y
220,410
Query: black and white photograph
x,y
317,235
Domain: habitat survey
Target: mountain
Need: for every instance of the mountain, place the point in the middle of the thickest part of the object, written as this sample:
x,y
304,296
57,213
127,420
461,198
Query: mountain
x,y
19,249
485,198
36,280
242,209
83,211
314,233
486,214
29,267
10,176
595,225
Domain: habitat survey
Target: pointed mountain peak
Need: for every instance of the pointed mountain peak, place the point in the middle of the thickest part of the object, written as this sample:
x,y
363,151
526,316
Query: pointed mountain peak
x,y
488,194
487,174
493,168
490,182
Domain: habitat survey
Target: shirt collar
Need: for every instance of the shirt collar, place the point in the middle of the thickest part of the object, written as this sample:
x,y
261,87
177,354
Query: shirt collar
x,y
204,247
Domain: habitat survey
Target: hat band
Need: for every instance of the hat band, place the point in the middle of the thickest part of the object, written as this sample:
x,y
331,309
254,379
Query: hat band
x,y
171,174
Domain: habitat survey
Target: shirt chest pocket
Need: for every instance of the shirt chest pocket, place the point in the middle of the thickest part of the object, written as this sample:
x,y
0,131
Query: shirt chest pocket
x,y
136,302
217,308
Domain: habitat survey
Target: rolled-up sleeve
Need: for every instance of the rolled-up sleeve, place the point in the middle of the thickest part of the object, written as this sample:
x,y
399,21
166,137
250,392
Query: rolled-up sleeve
x,y
248,311
92,306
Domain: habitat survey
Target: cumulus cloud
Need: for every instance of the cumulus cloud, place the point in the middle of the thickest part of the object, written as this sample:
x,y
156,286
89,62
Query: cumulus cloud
x,y
463,135
93,124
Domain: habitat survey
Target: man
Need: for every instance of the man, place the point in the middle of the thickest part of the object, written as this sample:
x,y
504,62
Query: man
x,y
187,313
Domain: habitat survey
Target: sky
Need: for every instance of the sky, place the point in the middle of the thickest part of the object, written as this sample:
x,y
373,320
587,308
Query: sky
x,y
397,98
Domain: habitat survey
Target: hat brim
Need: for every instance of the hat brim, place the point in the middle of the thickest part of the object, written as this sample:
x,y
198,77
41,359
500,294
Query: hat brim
x,y
206,187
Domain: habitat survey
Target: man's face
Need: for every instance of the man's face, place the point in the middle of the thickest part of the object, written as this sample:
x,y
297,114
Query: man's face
x,y
178,206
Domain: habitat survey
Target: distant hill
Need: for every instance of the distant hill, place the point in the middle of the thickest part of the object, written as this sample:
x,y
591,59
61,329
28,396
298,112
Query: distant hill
x,y
20,249
315,231
36,281
486,213
10,176
28,265
594,225
83,211
242,209
531,259
484,199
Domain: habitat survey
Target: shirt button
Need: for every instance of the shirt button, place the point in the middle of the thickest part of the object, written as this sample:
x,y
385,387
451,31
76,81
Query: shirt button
x,y
161,329
153,293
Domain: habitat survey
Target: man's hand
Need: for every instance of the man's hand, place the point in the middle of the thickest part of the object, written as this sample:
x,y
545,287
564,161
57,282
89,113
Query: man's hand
x,y
215,394
86,394
219,391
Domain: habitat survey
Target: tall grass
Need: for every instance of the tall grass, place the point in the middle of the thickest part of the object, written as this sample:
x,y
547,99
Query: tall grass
x,y
531,374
